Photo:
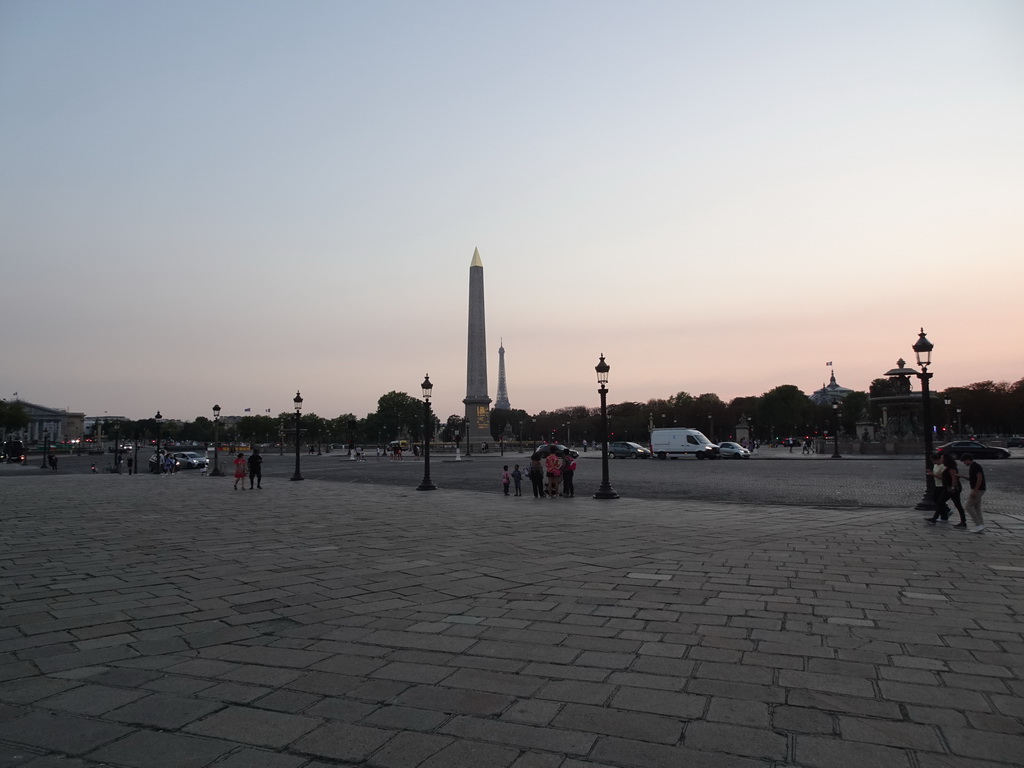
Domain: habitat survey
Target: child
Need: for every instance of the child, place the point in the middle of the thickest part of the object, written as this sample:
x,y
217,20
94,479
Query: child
x,y
517,478
506,479
240,470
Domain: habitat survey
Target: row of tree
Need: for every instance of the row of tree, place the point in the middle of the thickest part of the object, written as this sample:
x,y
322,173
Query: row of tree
x,y
982,408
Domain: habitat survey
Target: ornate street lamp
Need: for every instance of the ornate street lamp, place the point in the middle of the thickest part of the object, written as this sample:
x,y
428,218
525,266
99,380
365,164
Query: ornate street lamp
x,y
428,419
959,422
298,413
159,460
923,351
216,443
605,491
949,424
835,421
711,427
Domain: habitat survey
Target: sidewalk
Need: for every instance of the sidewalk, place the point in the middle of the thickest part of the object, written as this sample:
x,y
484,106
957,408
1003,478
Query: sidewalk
x,y
175,623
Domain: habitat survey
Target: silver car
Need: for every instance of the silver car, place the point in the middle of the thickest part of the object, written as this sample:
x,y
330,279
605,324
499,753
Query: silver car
x,y
627,450
189,460
731,450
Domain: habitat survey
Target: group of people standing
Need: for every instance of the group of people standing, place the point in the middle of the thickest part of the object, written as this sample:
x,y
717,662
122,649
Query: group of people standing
x,y
948,488
551,474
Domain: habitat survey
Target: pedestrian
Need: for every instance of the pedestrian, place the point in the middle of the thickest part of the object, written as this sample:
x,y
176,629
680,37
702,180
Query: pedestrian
x,y
255,469
536,474
52,461
976,480
517,480
240,470
567,474
131,464
169,463
506,479
553,470
951,482
585,445
939,491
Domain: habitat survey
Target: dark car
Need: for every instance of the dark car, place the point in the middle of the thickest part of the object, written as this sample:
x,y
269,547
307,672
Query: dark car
x,y
14,452
546,448
1015,442
978,450
627,450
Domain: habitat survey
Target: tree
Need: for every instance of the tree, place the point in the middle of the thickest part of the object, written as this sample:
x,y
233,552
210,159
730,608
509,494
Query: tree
x,y
398,414
13,416
787,409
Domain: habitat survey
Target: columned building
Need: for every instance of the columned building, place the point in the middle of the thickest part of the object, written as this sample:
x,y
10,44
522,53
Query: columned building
x,y
57,423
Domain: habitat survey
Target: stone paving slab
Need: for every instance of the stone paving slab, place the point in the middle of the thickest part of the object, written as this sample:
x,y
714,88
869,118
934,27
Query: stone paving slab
x,y
155,623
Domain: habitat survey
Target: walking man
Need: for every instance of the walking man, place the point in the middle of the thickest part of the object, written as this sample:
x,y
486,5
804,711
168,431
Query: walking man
x,y
977,483
255,468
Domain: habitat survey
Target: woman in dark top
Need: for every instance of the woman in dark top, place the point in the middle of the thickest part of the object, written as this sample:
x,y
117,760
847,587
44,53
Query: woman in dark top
x,y
951,485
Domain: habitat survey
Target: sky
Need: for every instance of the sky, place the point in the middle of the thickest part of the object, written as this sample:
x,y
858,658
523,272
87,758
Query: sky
x,y
230,202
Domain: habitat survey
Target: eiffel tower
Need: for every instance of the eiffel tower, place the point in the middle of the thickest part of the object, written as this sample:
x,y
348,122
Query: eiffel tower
x,y
501,402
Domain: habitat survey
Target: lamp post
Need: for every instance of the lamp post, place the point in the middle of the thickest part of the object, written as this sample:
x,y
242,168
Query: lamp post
x,y
948,421
298,413
711,428
159,460
568,434
923,351
216,442
135,453
46,439
117,447
605,491
959,422
428,419
835,423
280,434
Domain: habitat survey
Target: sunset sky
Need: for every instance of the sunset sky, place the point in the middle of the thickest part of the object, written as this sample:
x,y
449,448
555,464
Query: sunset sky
x,y
226,202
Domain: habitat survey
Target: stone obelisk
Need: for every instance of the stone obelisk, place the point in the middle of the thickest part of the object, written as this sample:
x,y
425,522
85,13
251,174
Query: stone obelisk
x,y
477,401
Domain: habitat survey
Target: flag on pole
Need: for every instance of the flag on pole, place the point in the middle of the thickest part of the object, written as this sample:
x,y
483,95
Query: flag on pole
x,y
828,364
268,410
247,410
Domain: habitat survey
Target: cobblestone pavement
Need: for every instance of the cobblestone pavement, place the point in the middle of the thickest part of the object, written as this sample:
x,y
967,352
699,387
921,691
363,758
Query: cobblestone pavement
x,y
171,622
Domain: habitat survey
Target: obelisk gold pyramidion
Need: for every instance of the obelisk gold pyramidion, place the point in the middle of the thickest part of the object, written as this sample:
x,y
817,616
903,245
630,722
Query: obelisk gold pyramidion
x,y
477,401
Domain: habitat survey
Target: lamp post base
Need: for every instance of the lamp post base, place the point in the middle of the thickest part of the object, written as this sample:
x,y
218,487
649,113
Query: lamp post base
x,y
215,472
606,492
296,477
926,504
426,485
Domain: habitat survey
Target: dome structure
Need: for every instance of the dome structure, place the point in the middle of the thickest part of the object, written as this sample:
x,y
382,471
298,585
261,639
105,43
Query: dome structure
x,y
830,393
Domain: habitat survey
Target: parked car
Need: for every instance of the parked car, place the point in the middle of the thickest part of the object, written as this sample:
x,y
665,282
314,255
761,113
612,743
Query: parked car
x,y
189,460
546,448
1015,442
978,450
730,450
626,450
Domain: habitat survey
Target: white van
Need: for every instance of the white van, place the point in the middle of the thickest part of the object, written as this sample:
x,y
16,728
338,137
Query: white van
x,y
673,442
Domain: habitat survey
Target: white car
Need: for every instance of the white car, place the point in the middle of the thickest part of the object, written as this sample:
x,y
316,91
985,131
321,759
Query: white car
x,y
189,460
733,451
